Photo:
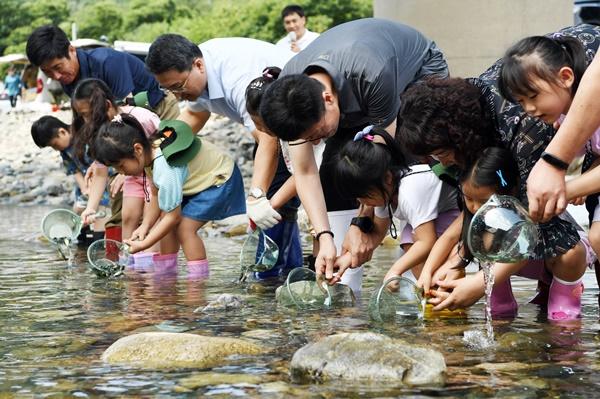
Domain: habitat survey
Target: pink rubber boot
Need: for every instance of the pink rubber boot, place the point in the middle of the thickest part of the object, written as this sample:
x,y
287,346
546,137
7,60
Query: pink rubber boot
x,y
165,264
198,269
564,302
503,302
143,261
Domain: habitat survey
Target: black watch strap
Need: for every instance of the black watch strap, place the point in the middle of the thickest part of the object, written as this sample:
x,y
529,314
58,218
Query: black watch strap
x,y
554,161
364,223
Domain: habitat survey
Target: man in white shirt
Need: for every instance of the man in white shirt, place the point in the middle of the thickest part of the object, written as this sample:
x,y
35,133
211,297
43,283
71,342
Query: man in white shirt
x,y
213,77
294,22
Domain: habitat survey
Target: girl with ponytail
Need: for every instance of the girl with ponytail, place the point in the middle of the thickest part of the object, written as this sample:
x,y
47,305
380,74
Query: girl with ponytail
x,y
373,169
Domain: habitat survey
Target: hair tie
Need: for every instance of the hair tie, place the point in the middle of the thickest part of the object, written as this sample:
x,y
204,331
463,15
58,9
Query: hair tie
x,y
117,119
365,134
503,182
257,84
266,73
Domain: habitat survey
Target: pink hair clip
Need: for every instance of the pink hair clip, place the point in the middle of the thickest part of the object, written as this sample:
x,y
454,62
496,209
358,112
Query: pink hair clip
x,y
365,134
267,73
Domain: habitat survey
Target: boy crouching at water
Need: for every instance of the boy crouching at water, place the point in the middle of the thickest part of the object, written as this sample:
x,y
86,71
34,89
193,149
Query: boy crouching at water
x,y
49,131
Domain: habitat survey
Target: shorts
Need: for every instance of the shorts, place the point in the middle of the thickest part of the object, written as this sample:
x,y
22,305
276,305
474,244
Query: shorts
x,y
134,187
442,222
217,202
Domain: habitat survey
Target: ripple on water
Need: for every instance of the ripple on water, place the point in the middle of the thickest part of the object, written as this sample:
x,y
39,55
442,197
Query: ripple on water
x,y
55,322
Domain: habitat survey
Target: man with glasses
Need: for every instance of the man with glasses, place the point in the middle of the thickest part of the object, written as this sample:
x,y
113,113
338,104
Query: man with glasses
x,y
349,77
49,48
213,77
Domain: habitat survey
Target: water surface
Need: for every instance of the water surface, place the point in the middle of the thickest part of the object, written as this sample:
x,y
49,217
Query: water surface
x,y
55,322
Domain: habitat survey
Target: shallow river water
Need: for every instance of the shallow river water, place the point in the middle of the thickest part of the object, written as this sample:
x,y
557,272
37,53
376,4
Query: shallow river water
x,y
55,322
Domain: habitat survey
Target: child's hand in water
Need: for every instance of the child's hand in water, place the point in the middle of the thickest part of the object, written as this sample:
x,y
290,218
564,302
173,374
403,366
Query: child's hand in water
x,y
87,216
424,281
465,292
135,246
447,273
341,264
391,273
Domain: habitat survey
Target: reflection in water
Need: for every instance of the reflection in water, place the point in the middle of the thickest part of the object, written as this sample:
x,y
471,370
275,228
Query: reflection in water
x,y
56,321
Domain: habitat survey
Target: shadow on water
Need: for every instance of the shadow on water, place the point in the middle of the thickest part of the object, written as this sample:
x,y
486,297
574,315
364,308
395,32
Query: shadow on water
x,y
55,322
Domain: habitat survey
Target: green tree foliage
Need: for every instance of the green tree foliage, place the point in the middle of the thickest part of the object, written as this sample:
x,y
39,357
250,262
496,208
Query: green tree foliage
x,y
143,20
261,19
103,18
18,17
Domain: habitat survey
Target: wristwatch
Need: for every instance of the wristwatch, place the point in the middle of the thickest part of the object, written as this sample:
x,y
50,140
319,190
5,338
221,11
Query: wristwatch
x,y
257,192
364,223
554,161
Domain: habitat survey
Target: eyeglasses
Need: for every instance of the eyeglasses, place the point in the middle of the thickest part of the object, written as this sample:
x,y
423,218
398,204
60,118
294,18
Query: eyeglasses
x,y
179,88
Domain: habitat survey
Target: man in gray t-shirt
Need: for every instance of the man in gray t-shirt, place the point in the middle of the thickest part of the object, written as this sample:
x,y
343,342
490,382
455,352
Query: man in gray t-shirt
x,y
369,63
349,77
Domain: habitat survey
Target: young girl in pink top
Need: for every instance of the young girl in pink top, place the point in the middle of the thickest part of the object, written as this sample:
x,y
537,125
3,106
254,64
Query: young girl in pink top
x,y
93,105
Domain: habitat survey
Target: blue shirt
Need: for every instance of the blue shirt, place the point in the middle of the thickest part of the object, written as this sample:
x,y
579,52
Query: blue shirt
x,y
122,72
12,84
73,165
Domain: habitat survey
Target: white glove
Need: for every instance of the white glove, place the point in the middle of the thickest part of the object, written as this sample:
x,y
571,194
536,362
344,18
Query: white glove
x,y
262,213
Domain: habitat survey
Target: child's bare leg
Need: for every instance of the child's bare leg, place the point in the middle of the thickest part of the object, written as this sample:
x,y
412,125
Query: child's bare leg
x,y
169,244
192,244
570,266
131,214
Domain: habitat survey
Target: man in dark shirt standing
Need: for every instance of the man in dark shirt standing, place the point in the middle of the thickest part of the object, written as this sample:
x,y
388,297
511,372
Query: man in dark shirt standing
x,y
349,77
49,48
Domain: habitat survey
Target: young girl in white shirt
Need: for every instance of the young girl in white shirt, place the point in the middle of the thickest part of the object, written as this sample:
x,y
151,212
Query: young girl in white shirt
x,y
373,169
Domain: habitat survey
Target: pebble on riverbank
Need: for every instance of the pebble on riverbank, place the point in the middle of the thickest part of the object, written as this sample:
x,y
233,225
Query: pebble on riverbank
x,y
35,176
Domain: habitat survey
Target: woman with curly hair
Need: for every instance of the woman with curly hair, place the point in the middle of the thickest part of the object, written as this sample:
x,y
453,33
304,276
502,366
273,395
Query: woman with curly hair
x,y
454,120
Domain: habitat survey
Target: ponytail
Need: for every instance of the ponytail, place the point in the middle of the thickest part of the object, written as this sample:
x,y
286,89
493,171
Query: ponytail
x,y
552,53
257,87
97,94
362,165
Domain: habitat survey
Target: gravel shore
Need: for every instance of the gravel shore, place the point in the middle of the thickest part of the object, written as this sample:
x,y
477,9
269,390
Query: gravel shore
x,y
30,175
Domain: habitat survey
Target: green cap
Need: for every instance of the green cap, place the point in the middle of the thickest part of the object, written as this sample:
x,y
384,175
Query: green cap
x,y
180,145
141,100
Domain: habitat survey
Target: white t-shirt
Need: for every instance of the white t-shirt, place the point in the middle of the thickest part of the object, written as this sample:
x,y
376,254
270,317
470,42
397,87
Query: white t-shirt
x,y
422,196
305,40
231,64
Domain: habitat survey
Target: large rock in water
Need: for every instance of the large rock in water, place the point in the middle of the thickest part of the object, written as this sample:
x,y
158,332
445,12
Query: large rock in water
x,y
164,350
367,358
